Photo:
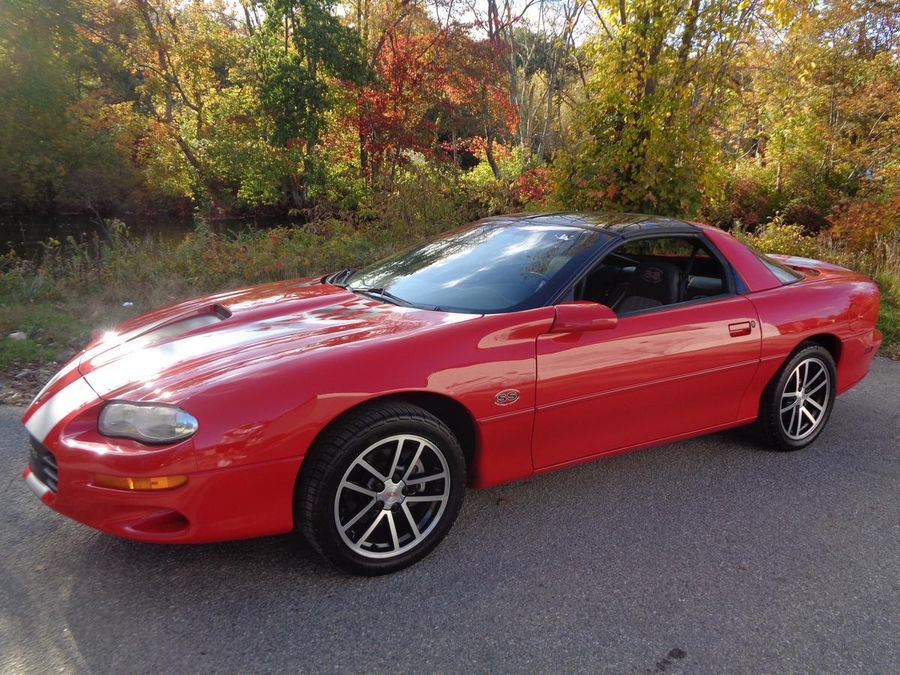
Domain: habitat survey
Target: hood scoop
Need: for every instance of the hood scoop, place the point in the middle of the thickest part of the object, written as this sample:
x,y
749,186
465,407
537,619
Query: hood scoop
x,y
157,331
181,325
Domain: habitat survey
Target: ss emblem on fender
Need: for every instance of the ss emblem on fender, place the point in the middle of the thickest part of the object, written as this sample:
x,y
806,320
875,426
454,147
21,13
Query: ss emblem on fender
x,y
506,397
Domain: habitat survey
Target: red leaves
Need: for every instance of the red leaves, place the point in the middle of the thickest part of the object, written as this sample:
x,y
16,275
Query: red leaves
x,y
612,191
534,186
429,80
393,111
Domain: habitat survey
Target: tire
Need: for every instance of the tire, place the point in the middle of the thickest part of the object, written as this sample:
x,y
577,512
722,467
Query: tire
x,y
380,490
797,403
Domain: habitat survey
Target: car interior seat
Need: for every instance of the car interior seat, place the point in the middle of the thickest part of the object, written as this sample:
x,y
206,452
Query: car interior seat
x,y
655,283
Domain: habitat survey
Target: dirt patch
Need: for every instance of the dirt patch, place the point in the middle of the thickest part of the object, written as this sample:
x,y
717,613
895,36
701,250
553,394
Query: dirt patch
x,y
18,385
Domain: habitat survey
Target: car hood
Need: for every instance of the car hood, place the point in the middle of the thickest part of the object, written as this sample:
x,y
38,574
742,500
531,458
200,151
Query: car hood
x,y
161,354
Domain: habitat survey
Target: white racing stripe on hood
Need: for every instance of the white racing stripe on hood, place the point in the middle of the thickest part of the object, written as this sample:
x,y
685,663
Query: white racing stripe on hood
x,y
68,368
129,363
64,402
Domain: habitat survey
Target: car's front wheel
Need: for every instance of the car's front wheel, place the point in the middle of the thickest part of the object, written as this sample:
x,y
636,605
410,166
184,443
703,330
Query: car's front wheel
x,y
798,402
381,489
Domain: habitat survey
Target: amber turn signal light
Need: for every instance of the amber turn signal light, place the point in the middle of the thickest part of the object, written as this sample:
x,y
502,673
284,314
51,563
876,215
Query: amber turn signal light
x,y
152,483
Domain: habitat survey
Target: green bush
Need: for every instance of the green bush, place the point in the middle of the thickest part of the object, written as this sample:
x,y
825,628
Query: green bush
x,y
495,195
777,236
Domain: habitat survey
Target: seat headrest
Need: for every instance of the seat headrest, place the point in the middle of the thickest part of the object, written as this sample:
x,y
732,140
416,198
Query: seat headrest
x,y
658,280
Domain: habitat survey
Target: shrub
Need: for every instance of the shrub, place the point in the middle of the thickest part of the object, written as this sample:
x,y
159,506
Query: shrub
x,y
860,223
777,236
494,195
424,199
533,187
752,199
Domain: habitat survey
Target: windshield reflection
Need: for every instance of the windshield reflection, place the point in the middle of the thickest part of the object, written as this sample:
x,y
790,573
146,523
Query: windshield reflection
x,y
492,267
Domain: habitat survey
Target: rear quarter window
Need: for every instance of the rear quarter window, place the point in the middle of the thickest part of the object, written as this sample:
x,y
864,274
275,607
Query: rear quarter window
x,y
783,273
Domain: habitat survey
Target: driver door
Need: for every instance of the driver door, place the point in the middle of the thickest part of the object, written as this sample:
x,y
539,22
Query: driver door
x,y
661,372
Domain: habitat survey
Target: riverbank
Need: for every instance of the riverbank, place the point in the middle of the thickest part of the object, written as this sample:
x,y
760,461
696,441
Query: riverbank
x,y
49,309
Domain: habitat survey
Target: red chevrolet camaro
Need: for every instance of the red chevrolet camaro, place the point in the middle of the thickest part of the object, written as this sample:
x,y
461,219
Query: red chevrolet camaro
x,y
357,407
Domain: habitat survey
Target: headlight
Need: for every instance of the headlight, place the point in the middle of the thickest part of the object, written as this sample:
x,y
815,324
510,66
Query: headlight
x,y
148,423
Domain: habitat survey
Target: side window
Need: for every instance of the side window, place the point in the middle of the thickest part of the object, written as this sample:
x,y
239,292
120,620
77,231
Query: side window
x,y
654,272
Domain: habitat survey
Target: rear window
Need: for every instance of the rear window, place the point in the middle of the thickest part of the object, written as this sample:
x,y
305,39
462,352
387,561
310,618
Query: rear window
x,y
783,273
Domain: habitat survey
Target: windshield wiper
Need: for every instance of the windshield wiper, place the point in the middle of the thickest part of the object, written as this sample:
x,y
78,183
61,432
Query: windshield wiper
x,y
384,294
339,278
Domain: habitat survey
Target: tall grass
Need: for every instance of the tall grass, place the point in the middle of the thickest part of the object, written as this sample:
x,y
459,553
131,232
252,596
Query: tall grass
x,y
75,286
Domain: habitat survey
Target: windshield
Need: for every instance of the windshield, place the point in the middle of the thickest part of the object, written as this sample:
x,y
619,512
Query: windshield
x,y
492,267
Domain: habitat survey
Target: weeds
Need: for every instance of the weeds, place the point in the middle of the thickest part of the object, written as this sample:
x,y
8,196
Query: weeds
x,y
77,286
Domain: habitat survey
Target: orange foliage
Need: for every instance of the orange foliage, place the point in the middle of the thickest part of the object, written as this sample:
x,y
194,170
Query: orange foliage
x,y
429,80
860,222
534,186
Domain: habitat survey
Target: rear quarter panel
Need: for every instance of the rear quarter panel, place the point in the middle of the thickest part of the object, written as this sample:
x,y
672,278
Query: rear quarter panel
x,y
843,306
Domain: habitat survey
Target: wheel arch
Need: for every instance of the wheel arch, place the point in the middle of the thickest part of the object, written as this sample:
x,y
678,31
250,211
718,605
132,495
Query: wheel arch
x,y
768,419
447,409
829,341
452,413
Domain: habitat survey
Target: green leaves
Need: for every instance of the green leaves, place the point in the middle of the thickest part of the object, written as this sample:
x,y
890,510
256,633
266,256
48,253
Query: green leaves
x,y
300,50
643,139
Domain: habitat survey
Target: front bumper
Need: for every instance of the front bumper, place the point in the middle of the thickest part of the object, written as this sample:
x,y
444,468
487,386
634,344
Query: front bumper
x,y
41,490
232,498
64,479
224,504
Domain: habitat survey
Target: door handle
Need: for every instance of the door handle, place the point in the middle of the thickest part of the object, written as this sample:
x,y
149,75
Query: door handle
x,y
740,328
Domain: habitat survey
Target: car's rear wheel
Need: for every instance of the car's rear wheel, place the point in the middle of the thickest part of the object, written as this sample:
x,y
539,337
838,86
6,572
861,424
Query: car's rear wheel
x,y
797,403
381,489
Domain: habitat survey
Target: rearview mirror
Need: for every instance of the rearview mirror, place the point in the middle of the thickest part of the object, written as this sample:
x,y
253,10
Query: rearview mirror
x,y
575,317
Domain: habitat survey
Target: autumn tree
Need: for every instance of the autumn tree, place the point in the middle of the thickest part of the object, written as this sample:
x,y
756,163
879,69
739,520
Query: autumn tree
x,y
396,109
815,117
60,146
303,51
659,79
433,86
189,59
477,97
534,42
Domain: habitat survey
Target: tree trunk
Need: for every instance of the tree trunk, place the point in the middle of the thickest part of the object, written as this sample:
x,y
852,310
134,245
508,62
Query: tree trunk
x,y
453,146
489,152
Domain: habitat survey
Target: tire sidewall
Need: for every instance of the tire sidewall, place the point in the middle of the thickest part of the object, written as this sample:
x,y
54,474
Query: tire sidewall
x,y
334,547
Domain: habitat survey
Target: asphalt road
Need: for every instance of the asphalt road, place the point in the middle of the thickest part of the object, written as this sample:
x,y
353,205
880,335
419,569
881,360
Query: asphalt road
x,y
703,556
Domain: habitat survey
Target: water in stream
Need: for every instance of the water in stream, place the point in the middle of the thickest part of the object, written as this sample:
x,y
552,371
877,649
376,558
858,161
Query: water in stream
x,y
24,235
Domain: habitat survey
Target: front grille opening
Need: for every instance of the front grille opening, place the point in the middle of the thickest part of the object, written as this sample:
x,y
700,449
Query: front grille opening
x,y
43,465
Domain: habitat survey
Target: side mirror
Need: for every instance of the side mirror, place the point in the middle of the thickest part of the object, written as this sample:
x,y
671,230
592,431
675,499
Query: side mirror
x,y
576,317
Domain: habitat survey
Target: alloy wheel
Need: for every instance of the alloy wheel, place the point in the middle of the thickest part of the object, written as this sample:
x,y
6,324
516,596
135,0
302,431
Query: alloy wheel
x,y
392,496
805,398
